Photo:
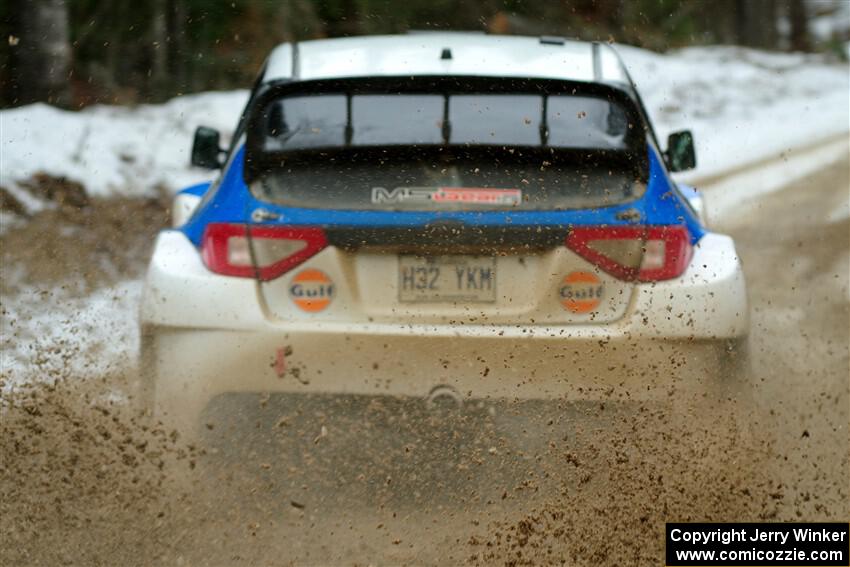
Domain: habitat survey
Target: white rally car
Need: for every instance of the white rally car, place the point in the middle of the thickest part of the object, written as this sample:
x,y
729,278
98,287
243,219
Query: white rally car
x,y
440,216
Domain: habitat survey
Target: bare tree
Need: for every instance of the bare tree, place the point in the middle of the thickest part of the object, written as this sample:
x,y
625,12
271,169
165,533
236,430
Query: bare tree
x,y
799,26
159,46
41,59
756,23
178,44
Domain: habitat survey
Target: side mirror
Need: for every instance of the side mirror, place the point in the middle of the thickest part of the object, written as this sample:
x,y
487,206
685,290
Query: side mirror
x,y
206,151
681,154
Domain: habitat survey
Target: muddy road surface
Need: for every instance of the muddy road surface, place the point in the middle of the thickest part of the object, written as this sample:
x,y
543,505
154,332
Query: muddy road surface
x,y
86,480
796,251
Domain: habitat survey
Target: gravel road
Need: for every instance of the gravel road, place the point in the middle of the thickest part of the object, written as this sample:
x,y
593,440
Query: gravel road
x,y
84,480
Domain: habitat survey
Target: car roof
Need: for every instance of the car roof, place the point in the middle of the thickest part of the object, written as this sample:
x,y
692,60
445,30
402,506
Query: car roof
x,y
445,53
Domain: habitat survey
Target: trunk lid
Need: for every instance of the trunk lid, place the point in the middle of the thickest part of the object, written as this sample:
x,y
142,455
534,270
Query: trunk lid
x,y
445,274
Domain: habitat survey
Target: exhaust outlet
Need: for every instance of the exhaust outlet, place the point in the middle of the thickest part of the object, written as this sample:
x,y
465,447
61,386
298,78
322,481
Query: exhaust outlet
x,y
443,396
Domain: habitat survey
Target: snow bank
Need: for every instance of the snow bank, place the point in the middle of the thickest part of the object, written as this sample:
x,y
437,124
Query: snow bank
x,y
742,105
49,335
114,150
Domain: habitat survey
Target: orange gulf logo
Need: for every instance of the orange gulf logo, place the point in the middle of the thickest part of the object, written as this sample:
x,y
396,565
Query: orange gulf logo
x,y
311,290
581,292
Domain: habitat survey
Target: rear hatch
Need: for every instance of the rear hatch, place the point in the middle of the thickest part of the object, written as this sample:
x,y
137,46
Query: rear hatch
x,y
445,202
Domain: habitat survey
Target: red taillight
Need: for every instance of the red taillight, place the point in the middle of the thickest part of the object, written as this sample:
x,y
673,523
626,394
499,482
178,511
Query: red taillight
x,y
227,249
634,253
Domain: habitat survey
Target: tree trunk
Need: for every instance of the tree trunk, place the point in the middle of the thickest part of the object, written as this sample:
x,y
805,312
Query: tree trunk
x,y
756,23
159,46
799,26
42,57
720,18
179,46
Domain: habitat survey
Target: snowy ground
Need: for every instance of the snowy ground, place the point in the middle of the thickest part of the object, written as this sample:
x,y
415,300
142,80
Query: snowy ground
x,y
53,333
742,105
113,150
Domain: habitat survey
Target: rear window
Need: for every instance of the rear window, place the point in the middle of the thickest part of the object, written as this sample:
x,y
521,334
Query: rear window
x,y
446,180
342,120
466,150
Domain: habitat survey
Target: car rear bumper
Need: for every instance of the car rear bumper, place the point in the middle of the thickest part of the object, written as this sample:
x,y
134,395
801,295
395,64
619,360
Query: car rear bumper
x,y
206,335
186,369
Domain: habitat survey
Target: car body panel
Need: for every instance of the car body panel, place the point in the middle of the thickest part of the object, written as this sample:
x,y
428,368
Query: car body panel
x,y
527,293
206,334
674,332
234,202
181,292
367,288
695,200
186,202
422,54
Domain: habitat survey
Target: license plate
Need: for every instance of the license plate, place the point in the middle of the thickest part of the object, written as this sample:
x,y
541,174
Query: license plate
x,y
447,279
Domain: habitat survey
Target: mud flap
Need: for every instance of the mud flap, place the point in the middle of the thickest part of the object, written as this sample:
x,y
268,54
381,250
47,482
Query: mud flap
x,y
157,398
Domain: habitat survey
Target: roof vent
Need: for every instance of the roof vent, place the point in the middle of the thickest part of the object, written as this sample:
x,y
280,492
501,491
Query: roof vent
x,y
551,40
446,54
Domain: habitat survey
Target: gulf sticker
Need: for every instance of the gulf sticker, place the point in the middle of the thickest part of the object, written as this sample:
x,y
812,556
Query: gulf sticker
x,y
581,292
311,290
